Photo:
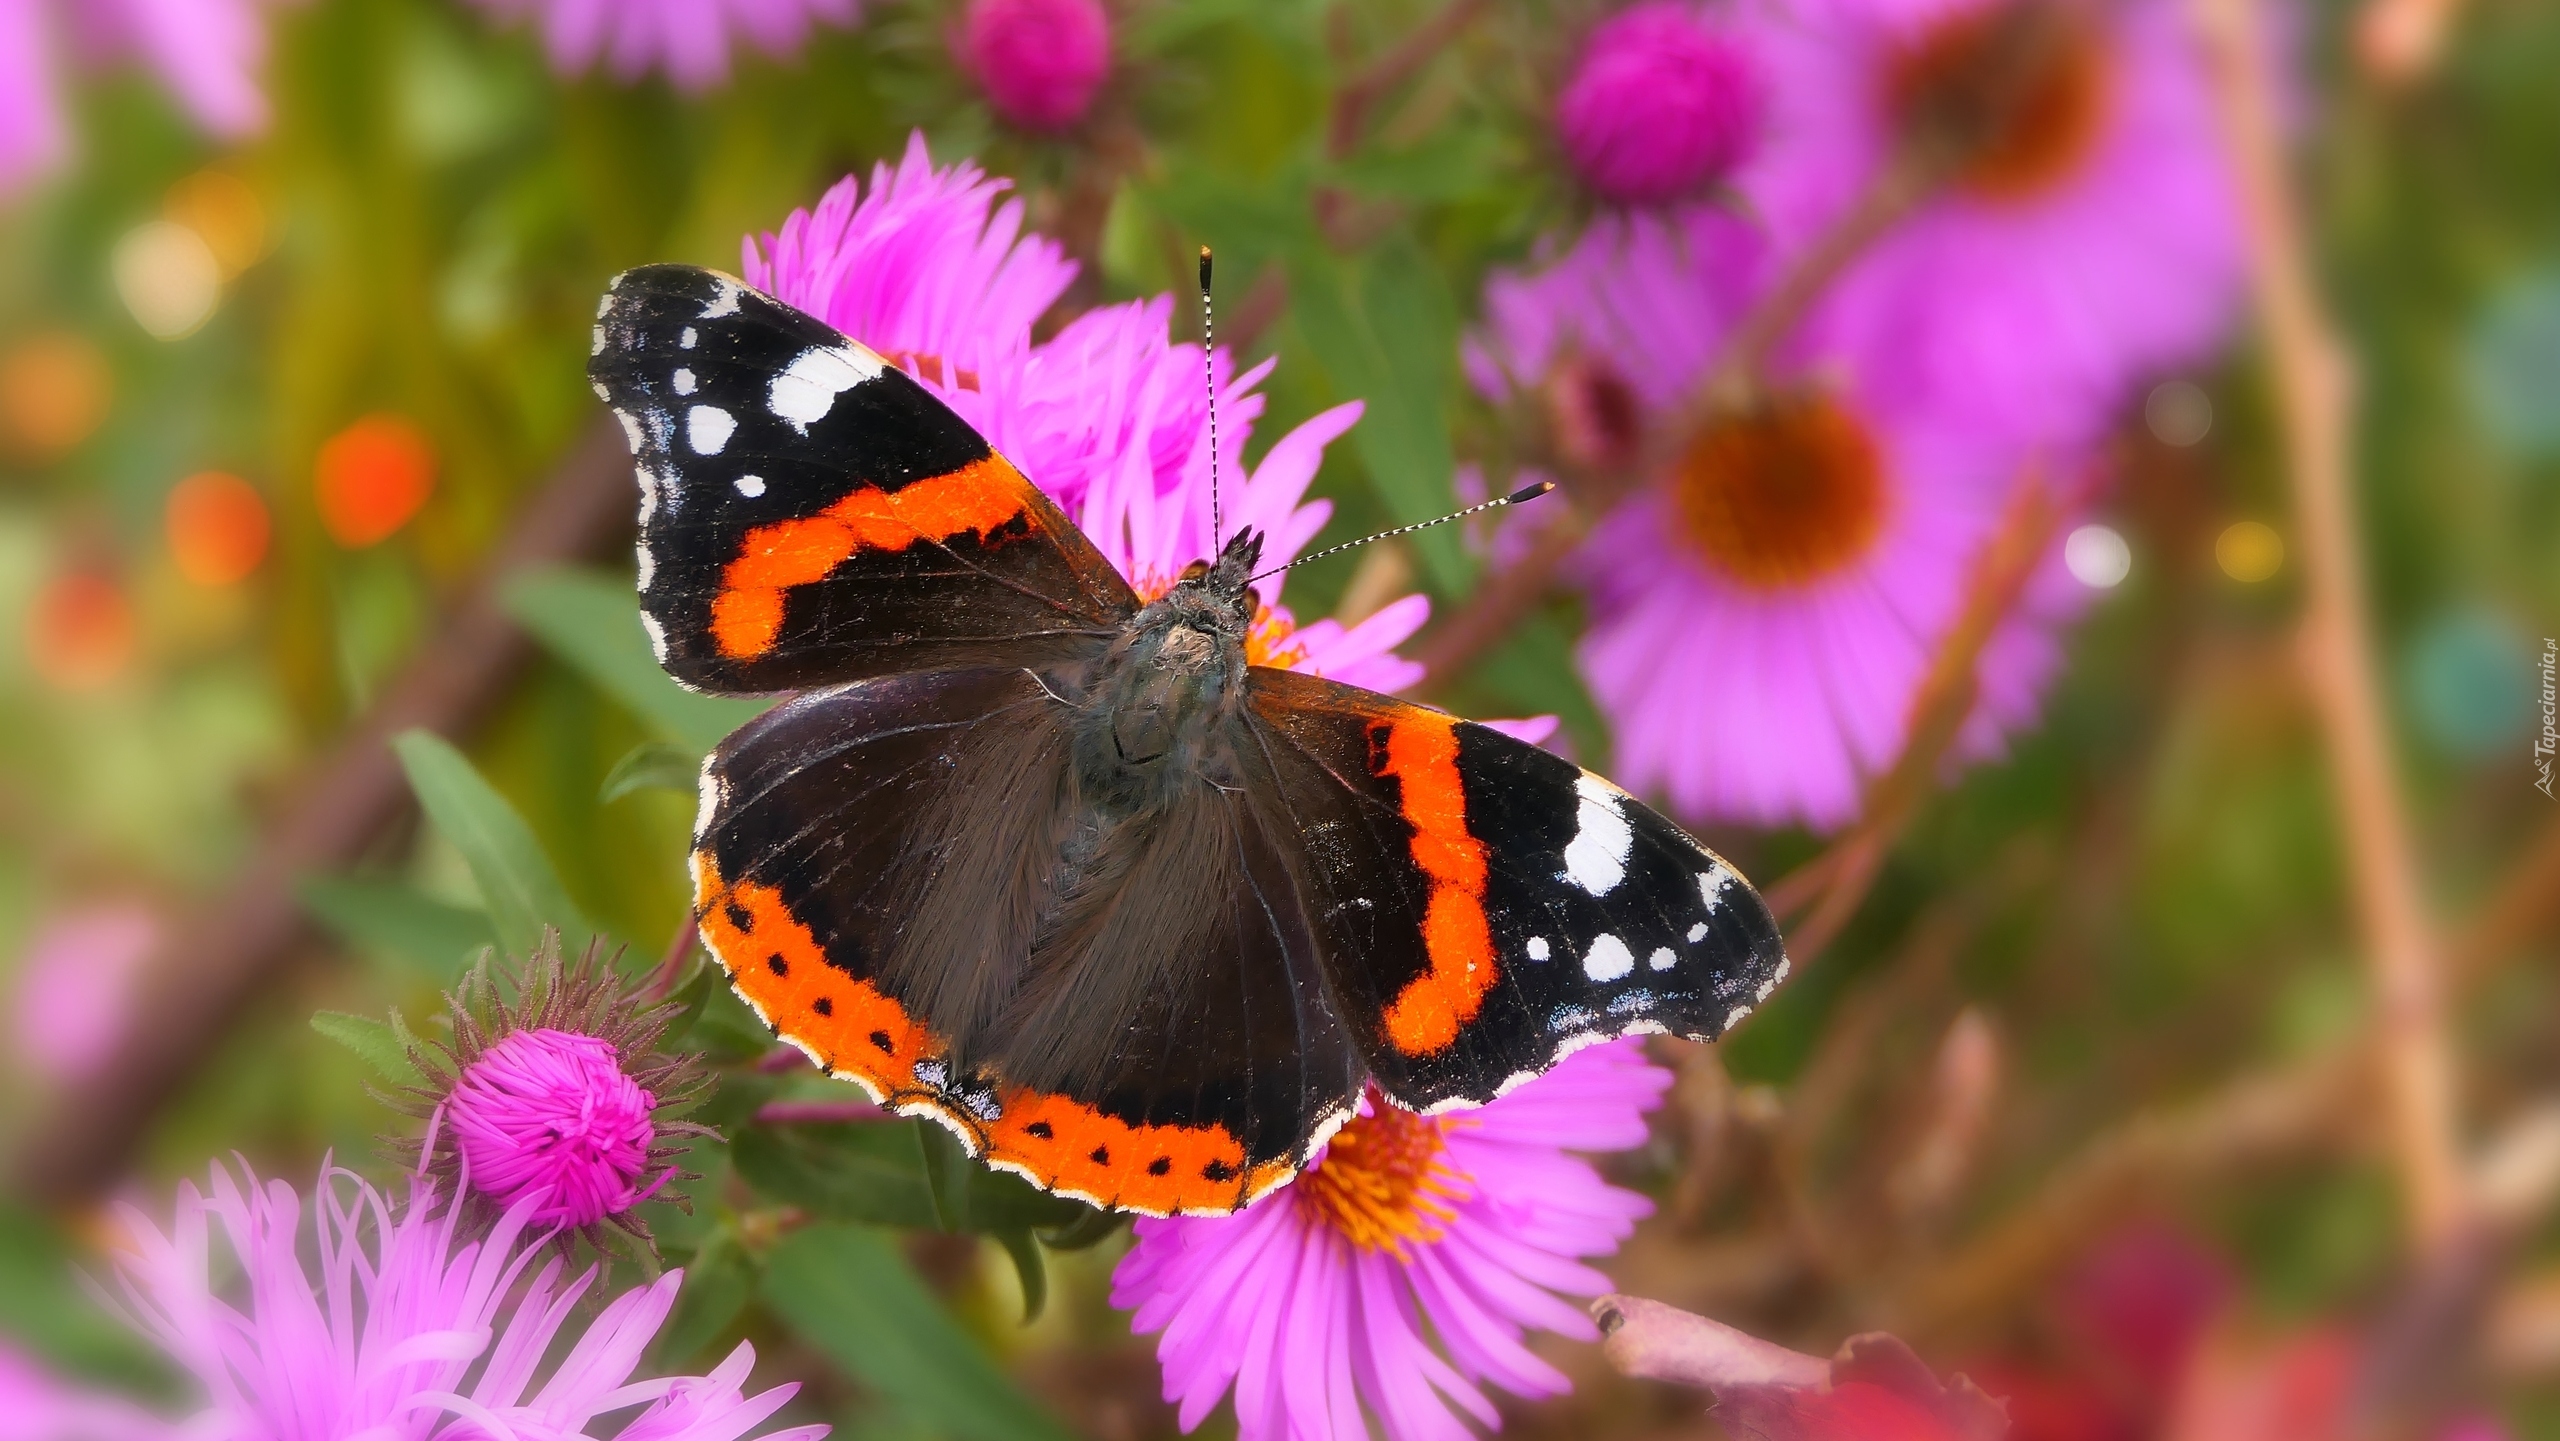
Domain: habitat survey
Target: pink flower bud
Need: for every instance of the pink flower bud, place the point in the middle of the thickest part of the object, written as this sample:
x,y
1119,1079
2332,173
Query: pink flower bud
x,y
1040,61
1658,106
552,1110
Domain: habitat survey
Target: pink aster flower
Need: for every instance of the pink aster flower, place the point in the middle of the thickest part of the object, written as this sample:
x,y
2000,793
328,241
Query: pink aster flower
x,y
1659,105
410,1329
75,987
36,1405
924,267
1398,1275
553,1094
206,52
1039,61
690,40
1760,624
2090,241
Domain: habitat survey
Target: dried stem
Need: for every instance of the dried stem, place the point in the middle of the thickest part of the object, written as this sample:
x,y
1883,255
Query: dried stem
x,y
1664,1343
2313,393
256,925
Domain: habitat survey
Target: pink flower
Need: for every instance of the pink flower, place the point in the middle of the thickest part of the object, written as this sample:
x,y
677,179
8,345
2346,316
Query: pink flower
x,y
1760,625
75,987
690,40
206,52
1398,1274
1040,61
924,268
554,1095
36,1405
2089,243
1110,416
406,1322
1659,105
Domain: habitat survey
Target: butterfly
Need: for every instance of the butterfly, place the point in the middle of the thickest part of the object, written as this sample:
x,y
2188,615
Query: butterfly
x,y
1054,865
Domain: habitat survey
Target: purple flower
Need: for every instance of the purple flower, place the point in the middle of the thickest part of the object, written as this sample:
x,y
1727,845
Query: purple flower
x,y
687,39
1324,1302
1040,61
924,268
75,987
2088,241
36,1405
206,52
410,1329
1760,625
1659,106
555,1099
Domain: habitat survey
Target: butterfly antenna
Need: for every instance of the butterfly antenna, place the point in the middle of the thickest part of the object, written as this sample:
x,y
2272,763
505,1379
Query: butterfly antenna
x,y
1526,492
1209,379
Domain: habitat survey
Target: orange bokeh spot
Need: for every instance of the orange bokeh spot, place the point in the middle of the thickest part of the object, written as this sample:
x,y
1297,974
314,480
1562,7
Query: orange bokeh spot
x,y
217,528
54,389
80,633
372,476
225,210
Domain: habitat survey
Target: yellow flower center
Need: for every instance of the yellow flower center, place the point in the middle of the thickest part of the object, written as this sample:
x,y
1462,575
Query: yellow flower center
x,y
2019,87
1385,1182
1783,495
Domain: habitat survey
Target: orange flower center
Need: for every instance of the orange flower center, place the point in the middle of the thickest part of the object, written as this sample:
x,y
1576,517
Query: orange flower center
x,y
1385,1182
1271,640
1784,495
2017,90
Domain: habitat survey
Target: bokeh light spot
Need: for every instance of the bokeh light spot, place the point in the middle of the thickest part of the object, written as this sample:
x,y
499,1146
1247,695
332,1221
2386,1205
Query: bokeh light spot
x,y
54,391
372,477
2097,557
80,631
225,212
2471,682
2179,413
218,528
2249,551
167,277
2513,364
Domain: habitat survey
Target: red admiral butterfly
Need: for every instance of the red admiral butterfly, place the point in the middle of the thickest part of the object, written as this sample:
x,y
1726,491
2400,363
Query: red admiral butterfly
x,y
1059,868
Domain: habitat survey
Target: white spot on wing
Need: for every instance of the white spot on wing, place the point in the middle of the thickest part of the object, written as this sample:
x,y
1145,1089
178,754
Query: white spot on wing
x,y
1697,933
1711,884
1608,959
631,430
711,795
1661,959
687,339
684,381
807,388
750,486
1734,1017
1537,948
596,345
604,302
724,303
648,492
657,636
648,566
1783,968
1596,859
708,427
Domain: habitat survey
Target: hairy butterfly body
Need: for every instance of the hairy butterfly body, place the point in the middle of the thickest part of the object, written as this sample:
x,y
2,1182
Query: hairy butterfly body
x,y
1134,918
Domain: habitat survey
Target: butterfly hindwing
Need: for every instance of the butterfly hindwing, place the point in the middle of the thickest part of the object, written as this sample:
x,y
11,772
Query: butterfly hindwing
x,y
1486,907
810,514
880,868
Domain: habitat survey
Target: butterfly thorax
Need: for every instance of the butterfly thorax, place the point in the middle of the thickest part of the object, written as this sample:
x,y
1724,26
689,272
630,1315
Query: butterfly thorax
x,y
1159,707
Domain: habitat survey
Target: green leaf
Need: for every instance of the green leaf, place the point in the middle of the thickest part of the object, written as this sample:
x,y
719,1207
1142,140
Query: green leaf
x,y
718,1282
862,1171
651,765
1030,1268
1090,1226
396,919
382,1044
516,879
591,621
846,1291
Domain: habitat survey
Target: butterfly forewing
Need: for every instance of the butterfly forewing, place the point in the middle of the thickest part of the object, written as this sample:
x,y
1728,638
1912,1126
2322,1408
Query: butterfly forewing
x,y
810,514
1485,907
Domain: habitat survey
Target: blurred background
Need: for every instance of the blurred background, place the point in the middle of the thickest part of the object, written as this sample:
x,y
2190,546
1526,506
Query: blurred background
x,y
2174,1044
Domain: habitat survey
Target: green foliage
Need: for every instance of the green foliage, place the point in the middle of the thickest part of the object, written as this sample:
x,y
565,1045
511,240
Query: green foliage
x,y
433,939
383,1045
523,892
591,621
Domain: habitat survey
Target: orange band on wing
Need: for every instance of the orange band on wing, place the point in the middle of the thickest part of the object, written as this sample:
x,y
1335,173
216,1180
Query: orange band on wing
x,y
1421,752
746,616
856,1031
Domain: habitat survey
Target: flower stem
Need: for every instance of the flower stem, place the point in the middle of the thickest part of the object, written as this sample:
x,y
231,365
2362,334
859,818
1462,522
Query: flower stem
x,y
2310,371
